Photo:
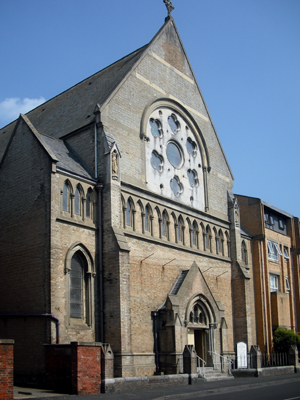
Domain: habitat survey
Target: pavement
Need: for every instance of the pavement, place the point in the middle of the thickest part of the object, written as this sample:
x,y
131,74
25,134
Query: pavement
x,y
200,389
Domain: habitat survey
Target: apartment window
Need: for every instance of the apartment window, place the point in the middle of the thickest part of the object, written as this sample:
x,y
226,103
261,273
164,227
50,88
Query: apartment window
x,y
273,251
269,221
281,224
273,283
287,284
286,253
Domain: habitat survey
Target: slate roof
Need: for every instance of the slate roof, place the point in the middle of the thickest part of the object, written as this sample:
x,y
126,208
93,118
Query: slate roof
x,y
67,158
74,108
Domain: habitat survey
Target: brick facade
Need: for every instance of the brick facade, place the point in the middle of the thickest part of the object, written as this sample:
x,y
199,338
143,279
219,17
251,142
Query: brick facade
x,y
164,254
6,369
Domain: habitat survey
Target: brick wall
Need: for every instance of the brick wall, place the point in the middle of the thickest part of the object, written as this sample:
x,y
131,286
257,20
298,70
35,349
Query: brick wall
x,y
74,368
6,369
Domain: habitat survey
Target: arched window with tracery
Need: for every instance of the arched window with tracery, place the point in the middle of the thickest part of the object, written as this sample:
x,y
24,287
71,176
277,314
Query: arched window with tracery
x,y
197,315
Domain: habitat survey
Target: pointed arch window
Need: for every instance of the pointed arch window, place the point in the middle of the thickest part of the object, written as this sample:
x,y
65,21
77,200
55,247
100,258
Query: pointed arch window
x,y
194,235
164,224
129,214
66,206
88,206
220,242
81,291
207,238
180,230
147,219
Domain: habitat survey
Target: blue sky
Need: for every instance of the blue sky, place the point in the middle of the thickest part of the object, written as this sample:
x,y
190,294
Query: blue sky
x,y
245,55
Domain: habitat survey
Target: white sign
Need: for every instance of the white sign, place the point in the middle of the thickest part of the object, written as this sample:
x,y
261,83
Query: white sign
x,y
241,350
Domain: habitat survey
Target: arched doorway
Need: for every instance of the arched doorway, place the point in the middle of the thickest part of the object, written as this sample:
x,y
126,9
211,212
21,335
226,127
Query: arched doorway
x,y
200,327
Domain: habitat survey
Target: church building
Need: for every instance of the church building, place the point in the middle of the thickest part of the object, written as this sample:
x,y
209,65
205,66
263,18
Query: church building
x,y
118,221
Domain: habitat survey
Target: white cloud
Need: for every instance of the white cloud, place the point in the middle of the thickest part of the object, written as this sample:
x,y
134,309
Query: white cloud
x,y
11,108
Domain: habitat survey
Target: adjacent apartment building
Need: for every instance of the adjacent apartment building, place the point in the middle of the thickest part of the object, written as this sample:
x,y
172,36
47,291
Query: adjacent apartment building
x,y
275,248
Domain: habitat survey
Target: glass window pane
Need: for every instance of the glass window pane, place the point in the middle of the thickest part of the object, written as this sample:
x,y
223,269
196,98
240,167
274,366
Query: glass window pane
x,y
191,147
174,125
146,219
176,186
76,287
155,128
174,154
128,213
156,161
65,198
88,206
192,178
77,202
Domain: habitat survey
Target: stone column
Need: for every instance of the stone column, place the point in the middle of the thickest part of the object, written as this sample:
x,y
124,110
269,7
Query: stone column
x,y
190,363
255,357
293,357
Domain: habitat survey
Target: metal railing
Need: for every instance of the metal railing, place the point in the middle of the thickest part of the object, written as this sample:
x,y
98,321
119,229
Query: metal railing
x,y
199,360
223,361
274,359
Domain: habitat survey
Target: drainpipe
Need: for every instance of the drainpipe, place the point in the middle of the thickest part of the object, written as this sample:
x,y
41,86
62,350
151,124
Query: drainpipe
x,y
99,188
154,315
294,292
96,152
264,298
51,316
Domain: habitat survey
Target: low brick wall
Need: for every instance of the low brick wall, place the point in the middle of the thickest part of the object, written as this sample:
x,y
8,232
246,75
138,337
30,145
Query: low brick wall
x,y
119,385
74,368
6,369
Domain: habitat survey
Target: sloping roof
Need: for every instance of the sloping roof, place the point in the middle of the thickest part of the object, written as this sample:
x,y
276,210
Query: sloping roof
x,y
63,156
67,159
74,108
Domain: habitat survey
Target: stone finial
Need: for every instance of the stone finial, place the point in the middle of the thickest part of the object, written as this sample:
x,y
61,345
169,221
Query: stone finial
x,y
169,6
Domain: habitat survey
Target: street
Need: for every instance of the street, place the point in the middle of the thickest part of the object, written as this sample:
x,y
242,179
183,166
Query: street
x,y
275,391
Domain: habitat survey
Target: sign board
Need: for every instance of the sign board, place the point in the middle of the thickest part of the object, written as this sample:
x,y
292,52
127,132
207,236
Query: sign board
x,y
241,352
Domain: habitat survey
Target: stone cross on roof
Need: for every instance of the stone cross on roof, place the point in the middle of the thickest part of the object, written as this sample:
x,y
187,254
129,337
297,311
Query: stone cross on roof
x,y
169,6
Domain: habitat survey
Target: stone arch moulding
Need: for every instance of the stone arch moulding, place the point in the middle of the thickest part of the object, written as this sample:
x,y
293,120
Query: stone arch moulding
x,y
205,305
72,250
177,107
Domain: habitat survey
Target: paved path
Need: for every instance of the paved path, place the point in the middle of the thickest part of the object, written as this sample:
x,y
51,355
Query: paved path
x,y
200,389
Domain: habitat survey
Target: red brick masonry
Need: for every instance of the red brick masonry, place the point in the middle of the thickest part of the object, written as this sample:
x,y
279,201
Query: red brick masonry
x,y
74,368
6,369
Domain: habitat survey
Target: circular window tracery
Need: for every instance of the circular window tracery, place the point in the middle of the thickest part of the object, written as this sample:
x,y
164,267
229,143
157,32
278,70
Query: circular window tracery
x,y
174,154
